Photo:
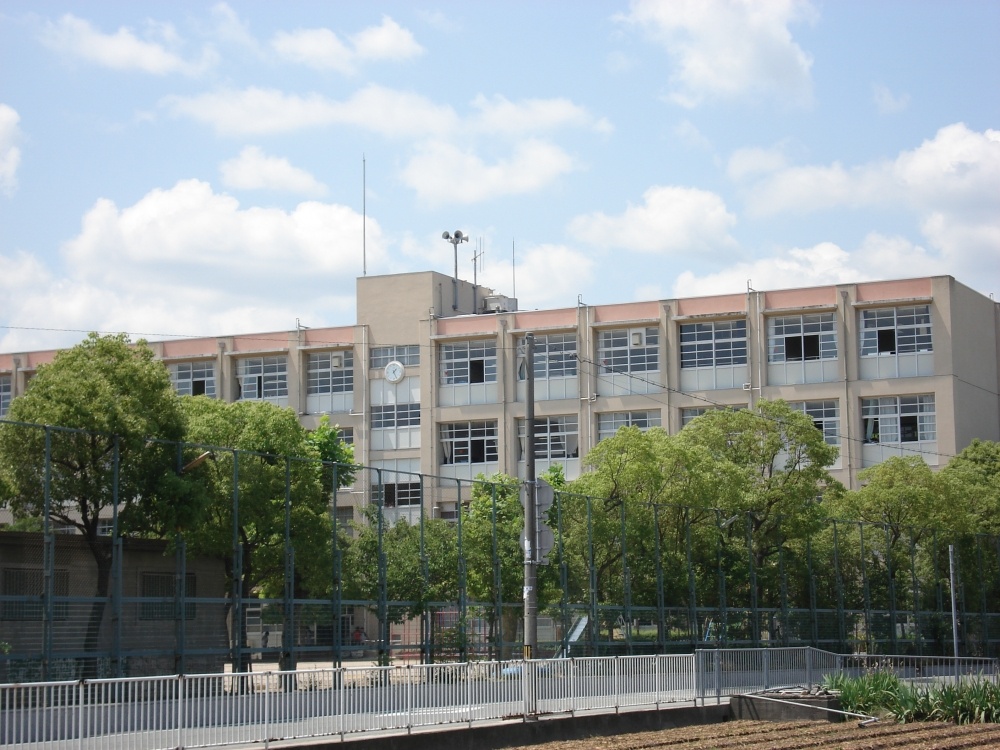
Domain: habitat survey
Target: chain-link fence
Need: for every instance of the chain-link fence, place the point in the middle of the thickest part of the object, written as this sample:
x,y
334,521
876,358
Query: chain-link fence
x,y
234,560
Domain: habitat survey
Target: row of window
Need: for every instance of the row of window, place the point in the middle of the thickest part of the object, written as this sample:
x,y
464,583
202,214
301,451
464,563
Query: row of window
x,y
886,420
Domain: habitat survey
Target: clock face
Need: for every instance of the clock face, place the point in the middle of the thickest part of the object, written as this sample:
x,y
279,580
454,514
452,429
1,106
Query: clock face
x,y
394,372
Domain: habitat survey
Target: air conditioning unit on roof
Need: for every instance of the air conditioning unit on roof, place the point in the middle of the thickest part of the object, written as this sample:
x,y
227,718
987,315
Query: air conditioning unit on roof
x,y
498,303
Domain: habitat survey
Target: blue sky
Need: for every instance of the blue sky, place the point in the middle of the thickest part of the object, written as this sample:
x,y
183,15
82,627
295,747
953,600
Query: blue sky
x,y
196,168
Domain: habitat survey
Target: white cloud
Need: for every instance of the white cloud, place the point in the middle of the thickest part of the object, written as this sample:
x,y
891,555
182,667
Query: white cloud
x,y
10,153
500,115
443,173
189,260
688,132
322,49
387,41
751,162
258,111
124,50
230,28
672,220
255,170
729,48
888,103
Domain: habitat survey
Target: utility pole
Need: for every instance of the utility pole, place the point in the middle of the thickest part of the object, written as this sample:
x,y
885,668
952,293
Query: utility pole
x,y
530,522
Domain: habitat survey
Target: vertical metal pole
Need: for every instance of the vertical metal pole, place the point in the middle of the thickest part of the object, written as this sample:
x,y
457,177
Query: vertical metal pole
x,y
723,619
692,587
954,610
841,621
915,594
425,576
592,623
116,564
383,577
463,599
661,615
813,604
890,574
783,572
180,591
530,530
753,582
626,585
49,562
336,588
237,624
563,577
497,579
288,637
867,590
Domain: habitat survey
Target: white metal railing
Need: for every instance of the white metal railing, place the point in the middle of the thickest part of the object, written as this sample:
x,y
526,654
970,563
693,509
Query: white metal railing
x,y
215,710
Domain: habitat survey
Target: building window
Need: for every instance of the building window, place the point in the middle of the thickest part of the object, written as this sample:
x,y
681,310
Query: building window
x,y
162,586
262,377
801,338
609,424
468,362
395,415
555,357
330,372
717,344
406,355
29,582
345,519
397,494
896,330
193,378
899,419
689,415
6,393
469,442
555,437
825,416
629,350
346,434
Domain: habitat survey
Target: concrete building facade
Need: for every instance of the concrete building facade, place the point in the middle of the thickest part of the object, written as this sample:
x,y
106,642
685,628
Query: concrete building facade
x,y
431,378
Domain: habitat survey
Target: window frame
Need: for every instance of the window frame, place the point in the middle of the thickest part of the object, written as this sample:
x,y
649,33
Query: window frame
x,y
6,393
272,375
705,345
208,387
825,416
911,329
393,416
780,331
546,437
470,362
919,411
322,378
467,436
555,356
407,355
621,419
618,354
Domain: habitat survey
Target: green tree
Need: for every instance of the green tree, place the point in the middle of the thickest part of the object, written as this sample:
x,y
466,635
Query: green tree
x,y
975,477
336,455
278,498
124,413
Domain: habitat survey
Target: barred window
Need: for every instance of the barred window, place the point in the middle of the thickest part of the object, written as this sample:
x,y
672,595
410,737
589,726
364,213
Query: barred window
x,y
468,362
825,416
629,350
554,357
262,377
797,338
30,582
469,442
162,586
330,372
555,437
193,378
406,355
608,424
395,415
6,393
899,419
397,494
896,330
717,344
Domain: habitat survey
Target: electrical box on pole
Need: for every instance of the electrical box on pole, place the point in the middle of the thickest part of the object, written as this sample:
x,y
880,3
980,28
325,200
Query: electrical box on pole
x,y
544,538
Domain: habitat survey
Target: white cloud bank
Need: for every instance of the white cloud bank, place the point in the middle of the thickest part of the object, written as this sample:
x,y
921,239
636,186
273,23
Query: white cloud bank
x,y
322,49
10,152
255,170
672,220
157,53
188,260
724,49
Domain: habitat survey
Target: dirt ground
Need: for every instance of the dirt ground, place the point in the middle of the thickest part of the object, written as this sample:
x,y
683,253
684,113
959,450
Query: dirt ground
x,y
756,735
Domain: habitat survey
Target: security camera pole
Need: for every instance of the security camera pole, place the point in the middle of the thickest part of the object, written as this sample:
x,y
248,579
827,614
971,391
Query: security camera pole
x,y
454,239
530,522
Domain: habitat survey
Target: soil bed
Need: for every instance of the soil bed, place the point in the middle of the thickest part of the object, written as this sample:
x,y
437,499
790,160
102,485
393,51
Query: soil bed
x,y
743,735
